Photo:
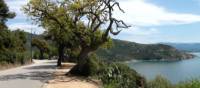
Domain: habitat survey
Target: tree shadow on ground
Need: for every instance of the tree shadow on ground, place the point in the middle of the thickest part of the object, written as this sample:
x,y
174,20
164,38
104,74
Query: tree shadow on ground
x,y
35,75
42,67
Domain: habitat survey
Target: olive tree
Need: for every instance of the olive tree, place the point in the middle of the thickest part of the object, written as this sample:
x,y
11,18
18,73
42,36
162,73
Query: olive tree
x,y
93,21
84,24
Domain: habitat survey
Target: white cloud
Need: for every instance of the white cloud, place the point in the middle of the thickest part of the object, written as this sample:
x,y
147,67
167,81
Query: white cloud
x,y
16,6
27,27
139,34
143,13
140,31
21,22
145,17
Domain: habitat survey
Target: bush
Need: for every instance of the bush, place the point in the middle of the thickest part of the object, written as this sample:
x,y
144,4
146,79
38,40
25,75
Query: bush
x,y
112,75
11,57
13,47
46,56
159,82
90,68
36,55
189,84
116,75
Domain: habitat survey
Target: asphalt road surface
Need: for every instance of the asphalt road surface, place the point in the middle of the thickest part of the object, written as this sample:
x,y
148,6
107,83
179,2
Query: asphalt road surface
x,y
31,76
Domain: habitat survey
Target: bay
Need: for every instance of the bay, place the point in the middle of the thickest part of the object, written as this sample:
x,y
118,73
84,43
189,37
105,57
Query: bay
x,y
174,71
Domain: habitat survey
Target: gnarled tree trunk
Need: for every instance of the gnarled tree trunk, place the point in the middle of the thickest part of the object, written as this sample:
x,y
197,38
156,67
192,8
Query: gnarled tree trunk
x,y
61,55
82,67
83,56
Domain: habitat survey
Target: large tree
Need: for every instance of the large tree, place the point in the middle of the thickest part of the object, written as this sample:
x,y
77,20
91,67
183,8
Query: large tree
x,y
5,14
53,18
85,24
93,21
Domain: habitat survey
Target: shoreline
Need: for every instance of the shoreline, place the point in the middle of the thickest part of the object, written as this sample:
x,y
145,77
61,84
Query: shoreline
x,y
156,60
192,56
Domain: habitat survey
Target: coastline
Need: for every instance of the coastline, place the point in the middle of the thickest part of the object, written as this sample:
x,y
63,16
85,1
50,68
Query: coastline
x,y
162,60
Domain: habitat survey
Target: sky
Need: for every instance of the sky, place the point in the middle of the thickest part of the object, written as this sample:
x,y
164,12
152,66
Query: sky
x,y
152,21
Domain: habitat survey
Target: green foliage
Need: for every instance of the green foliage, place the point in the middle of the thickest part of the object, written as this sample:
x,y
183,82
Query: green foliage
x,y
195,83
13,48
40,44
5,14
72,24
43,47
52,50
90,68
113,75
53,17
12,43
116,75
159,82
9,57
36,54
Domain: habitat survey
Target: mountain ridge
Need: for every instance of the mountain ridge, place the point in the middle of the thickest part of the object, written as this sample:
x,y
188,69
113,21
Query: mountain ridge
x,y
125,50
187,47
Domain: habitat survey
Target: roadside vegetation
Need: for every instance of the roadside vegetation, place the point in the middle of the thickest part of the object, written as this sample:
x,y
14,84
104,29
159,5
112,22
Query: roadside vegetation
x,y
161,82
12,43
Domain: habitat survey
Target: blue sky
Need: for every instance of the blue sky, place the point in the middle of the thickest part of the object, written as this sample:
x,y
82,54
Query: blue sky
x,y
152,20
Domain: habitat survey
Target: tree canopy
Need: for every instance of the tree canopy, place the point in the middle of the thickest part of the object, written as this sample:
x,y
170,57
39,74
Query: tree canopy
x,y
5,14
83,24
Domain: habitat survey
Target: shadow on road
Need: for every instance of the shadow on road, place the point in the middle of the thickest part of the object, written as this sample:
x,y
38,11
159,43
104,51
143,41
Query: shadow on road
x,y
42,67
35,75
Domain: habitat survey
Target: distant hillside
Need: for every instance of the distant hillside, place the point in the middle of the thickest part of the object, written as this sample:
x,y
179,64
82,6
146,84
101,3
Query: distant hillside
x,y
124,50
188,47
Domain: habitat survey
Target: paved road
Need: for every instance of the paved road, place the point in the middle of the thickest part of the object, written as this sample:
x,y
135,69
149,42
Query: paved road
x,y
31,76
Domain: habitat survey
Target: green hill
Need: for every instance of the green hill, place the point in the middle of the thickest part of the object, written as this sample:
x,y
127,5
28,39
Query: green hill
x,y
124,50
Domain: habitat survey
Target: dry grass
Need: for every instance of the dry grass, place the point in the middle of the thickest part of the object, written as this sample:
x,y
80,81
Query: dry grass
x,y
8,66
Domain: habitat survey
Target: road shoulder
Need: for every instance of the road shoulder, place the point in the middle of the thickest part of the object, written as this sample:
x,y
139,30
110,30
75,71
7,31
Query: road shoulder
x,y
62,81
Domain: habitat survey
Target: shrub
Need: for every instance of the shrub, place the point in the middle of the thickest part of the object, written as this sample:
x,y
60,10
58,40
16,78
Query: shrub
x,y
116,75
112,75
36,55
189,84
46,56
159,82
90,68
12,57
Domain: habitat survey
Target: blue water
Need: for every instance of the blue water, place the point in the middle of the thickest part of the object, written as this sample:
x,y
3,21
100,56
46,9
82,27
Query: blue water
x,y
175,71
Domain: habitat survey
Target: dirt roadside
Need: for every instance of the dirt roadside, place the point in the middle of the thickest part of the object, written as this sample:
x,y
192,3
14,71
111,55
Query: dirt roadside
x,y
62,81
